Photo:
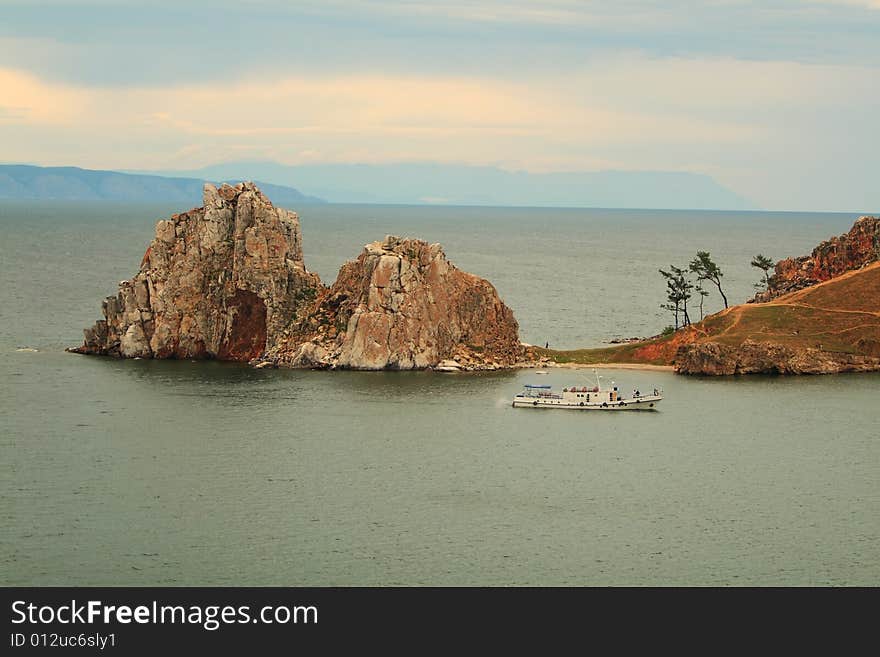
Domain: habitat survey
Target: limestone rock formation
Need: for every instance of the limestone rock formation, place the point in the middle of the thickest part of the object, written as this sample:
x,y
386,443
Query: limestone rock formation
x,y
402,305
852,250
221,281
752,357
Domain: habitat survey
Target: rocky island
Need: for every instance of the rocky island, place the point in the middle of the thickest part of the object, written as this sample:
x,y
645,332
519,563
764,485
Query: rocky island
x,y
228,281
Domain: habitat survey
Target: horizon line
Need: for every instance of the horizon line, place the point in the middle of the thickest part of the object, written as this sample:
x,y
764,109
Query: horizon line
x,y
160,174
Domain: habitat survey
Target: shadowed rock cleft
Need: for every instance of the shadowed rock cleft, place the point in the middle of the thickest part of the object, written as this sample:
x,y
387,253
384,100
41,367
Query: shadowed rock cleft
x,y
246,338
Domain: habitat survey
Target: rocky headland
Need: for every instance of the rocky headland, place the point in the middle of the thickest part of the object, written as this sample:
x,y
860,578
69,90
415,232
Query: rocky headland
x,y
827,328
227,281
822,316
838,255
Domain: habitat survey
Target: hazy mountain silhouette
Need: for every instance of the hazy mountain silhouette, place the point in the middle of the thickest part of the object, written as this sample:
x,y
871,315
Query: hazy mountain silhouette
x,y
19,181
483,185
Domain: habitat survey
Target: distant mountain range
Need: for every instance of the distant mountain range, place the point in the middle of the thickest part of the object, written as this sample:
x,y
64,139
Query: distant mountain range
x,y
424,183
18,181
413,183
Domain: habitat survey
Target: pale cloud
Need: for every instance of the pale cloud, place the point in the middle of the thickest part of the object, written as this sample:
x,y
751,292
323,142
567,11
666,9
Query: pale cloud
x,y
567,13
378,117
550,13
777,99
720,86
125,43
866,4
27,99
770,130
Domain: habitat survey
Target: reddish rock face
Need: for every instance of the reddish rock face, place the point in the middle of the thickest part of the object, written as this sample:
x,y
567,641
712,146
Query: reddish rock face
x,y
246,337
664,351
853,250
403,305
220,281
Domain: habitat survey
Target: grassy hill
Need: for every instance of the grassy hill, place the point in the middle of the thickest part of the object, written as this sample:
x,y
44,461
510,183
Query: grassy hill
x,y
840,315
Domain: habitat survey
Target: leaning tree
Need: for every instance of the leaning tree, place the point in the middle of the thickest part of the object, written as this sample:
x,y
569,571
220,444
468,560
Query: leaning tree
x,y
706,270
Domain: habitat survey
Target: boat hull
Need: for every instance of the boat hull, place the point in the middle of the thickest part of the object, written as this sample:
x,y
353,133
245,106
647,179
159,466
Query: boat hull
x,y
647,403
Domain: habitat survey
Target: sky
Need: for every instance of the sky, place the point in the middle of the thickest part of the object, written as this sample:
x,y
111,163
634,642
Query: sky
x,y
777,100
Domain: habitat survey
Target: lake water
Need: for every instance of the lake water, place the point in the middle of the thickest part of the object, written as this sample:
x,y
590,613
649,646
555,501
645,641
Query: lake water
x,y
141,472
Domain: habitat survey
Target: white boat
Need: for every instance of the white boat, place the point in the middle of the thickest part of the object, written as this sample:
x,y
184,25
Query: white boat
x,y
583,398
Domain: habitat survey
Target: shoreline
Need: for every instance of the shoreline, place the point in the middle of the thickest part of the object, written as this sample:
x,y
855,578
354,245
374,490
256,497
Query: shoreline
x,y
600,366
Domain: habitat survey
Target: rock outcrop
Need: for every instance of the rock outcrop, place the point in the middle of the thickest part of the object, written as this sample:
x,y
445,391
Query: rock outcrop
x,y
823,317
402,305
227,281
847,252
220,281
830,327
752,357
